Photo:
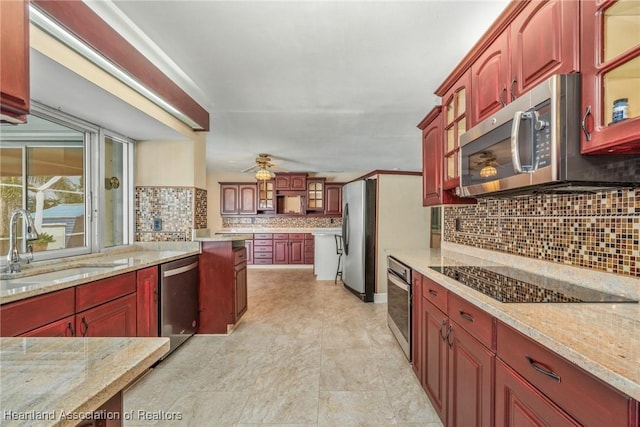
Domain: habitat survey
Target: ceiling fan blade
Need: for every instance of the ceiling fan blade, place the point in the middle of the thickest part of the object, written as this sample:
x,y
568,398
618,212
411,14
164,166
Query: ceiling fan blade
x,y
252,168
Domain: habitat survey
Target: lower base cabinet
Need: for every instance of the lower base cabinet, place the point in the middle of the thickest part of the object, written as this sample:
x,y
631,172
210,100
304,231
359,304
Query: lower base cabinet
x,y
61,328
116,318
478,371
518,403
223,286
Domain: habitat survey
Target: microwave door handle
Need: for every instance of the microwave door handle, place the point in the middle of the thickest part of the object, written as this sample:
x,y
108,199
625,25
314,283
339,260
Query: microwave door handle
x,y
515,152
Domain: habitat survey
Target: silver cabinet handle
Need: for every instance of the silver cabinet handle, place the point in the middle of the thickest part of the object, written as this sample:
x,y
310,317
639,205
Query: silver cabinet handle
x,y
538,368
583,123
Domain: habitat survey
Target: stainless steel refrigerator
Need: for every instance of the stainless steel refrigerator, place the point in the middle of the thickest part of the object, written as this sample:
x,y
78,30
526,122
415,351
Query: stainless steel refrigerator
x,y
359,238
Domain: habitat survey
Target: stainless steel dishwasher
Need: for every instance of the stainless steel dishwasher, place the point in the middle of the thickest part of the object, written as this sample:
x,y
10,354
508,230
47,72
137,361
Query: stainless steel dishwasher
x,y
179,300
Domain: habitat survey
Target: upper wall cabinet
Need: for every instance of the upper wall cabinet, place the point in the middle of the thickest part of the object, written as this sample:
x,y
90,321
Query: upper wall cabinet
x,y
544,41
455,124
238,199
315,195
14,61
291,181
490,79
333,199
610,61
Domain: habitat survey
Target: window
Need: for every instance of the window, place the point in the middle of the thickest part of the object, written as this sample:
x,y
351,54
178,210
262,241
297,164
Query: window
x,y
50,166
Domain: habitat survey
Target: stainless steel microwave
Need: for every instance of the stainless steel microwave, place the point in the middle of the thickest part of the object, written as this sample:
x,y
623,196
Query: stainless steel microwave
x,y
533,145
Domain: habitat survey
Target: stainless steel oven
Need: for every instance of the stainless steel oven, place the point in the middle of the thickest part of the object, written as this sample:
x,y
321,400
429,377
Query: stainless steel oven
x,y
399,303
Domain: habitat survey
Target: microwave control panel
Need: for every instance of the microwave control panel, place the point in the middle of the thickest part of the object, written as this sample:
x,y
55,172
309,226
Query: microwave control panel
x,y
541,129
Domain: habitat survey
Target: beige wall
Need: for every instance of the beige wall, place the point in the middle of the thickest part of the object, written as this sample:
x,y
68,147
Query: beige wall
x,y
214,220
402,220
186,158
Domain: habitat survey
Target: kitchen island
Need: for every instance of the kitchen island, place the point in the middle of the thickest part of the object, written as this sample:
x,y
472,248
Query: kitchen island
x,y
66,381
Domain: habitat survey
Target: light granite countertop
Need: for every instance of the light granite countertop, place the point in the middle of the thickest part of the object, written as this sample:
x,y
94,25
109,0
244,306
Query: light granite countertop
x,y
59,379
601,338
46,276
206,235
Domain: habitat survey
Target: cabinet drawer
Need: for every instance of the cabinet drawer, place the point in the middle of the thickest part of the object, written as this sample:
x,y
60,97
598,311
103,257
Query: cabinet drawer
x,y
308,236
584,397
263,242
101,291
435,293
262,255
296,236
280,236
22,316
258,236
263,249
259,261
239,255
475,321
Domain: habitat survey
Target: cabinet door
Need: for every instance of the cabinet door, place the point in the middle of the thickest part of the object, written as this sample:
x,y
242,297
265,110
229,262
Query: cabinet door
x,y
266,196
240,286
229,199
296,251
432,159
62,328
283,182
333,199
113,319
281,252
435,325
455,124
470,386
14,61
298,182
489,79
520,404
147,302
610,60
416,324
315,195
544,41
248,199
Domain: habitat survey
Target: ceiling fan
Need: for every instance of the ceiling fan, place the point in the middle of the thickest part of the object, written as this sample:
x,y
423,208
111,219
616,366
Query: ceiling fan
x,y
264,167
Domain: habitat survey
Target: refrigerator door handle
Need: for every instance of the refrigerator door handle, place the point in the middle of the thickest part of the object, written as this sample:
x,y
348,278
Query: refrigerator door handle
x,y
345,229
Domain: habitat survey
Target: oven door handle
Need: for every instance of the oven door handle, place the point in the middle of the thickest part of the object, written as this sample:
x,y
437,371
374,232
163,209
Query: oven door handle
x,y
399,283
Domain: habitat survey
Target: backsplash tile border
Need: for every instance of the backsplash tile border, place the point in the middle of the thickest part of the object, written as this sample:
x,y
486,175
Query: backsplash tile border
x,y
599,231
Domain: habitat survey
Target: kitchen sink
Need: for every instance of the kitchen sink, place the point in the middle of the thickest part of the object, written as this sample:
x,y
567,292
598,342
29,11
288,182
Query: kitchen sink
x,y
57,276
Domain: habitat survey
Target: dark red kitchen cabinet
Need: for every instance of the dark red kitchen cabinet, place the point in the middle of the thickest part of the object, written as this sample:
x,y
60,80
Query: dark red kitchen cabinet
x,y
14,62
416,324
296,251
435,325
470,398
147,302
28,314
240,289
116,318
333,203
281,251
520,404
238,199
609,65
432,163
489,80
61,328
291,181
544,41
309,248
104,290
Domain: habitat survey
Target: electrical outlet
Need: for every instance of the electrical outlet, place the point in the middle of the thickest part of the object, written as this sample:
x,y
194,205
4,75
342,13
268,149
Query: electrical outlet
x,y
157,224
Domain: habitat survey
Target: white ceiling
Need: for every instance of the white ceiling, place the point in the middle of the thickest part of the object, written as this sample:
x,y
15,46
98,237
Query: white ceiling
x,y
322,86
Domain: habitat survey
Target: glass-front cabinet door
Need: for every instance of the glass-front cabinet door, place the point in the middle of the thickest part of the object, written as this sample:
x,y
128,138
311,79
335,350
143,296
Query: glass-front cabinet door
x,y
315,195
265,195
455,124
611,77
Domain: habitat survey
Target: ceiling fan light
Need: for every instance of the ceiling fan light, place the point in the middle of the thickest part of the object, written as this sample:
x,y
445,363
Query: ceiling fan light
x,y
488,171
263,175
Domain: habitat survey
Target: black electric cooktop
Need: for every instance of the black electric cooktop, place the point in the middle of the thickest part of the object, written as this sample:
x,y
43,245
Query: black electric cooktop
x,y
507,284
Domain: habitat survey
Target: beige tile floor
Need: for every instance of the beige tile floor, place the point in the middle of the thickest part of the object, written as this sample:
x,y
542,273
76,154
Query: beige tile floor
x,y
306,353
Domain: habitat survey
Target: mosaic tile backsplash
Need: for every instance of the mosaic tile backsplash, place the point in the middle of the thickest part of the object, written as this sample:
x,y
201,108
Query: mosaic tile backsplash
x,y
281,222
181,209
599,231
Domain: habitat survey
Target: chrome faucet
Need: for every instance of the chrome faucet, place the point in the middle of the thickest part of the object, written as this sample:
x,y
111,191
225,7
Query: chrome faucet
x,y
13,257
